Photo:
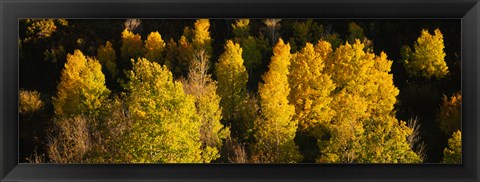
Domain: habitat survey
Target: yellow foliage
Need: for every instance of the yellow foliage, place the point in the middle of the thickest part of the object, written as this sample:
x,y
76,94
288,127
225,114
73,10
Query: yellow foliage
x,y
363,128
158,103
453,153
131,45
275,129
310,87
241,29
82,87
201,35
232,78
207,102
428,58
42,28
154,47
29,101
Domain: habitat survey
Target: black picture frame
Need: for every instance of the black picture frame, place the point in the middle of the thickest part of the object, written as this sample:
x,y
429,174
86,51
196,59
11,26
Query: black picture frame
x,y
11,11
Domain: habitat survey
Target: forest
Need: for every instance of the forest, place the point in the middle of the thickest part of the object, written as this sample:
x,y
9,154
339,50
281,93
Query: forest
x,y
240,91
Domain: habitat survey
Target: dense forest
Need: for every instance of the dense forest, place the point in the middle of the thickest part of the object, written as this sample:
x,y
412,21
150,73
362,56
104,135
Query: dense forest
x,y
240,91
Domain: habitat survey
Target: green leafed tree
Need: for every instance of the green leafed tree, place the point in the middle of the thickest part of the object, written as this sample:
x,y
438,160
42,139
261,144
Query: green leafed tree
x,y
428,57
165,125
453,153
275,129
232,79
82,87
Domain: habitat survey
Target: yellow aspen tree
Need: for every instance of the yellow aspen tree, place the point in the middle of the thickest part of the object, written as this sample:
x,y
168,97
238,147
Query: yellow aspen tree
x,y
201,36
364,128
384,141
310,87
232,79
275,129
154,48
165,125
131,45
453,153
82,89
107,58
207,102
428,57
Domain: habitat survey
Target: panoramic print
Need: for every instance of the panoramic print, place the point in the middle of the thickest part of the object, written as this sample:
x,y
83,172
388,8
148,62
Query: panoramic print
x,y
240,91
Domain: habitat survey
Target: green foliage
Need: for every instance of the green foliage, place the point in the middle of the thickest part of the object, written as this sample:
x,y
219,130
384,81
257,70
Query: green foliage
x,y
232,78
154,48
165,125
453,153
275,129
450,115
29,101
428,57
131,45
82,87
107,58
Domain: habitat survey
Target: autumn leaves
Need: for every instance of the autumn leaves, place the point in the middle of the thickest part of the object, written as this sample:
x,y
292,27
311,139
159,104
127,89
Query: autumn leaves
x,y
175,104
